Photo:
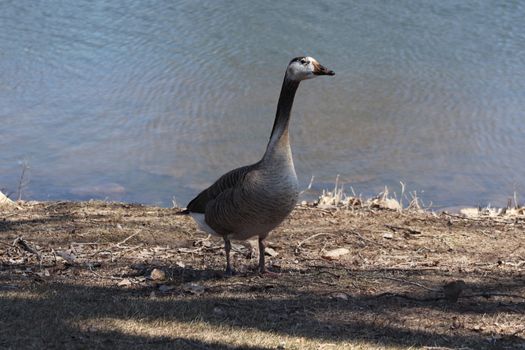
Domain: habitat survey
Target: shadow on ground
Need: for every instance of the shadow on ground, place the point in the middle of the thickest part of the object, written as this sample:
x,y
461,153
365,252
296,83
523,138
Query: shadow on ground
x,y
71,316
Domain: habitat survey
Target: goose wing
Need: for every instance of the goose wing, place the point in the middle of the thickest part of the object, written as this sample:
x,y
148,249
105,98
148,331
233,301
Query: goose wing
x,y
227,181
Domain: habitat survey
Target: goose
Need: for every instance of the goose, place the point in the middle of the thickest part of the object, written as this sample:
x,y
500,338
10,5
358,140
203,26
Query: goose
x,y
253,200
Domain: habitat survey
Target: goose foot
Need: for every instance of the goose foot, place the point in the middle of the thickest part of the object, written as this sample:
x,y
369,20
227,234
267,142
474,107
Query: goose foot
x,y
262,265
228,272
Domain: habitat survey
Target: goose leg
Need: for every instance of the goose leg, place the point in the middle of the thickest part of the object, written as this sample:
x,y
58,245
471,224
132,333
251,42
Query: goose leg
x,y
262,265
227,248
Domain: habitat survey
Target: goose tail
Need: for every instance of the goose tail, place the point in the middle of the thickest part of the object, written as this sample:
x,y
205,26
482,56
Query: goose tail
x,y
183,212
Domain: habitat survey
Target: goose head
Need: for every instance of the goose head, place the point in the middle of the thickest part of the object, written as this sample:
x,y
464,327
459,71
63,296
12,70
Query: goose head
x,y
304,67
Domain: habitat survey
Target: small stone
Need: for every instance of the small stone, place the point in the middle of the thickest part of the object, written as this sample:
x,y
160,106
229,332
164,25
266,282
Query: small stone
x,y
157,275
335,253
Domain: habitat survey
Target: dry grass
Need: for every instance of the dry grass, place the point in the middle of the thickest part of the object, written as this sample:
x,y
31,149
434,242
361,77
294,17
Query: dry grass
x,y
87,284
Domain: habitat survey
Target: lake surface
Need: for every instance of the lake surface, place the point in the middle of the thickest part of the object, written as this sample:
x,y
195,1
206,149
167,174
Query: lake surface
x,y
147,101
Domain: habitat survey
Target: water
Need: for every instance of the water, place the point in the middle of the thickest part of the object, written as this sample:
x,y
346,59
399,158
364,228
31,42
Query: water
x,y
153,100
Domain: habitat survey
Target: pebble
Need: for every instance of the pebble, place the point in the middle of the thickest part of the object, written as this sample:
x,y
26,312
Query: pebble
x,y
335,253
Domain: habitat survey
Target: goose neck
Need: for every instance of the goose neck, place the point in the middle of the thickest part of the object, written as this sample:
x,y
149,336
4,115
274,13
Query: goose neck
x,y
279,137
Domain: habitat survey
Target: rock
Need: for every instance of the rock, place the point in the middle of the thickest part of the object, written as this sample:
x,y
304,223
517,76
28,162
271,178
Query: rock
x,y
4,200
335,253
157,275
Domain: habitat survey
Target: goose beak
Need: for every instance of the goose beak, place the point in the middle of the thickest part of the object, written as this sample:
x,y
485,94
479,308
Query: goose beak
x,y
322,70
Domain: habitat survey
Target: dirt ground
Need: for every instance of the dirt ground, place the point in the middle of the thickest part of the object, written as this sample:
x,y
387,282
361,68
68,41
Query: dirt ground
x,y
97,275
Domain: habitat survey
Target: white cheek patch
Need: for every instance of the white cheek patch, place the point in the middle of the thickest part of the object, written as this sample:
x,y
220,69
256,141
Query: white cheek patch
x,y
298,71
311,59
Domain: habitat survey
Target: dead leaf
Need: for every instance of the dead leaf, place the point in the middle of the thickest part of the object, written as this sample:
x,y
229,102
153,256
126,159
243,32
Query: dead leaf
x,y
270,251
124,283
70,258
388,235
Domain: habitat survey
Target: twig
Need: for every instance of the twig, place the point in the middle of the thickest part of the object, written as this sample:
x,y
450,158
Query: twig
x,y
21,182
309,185
522,330
492,294
407,229
410,282
482,218
125,240
366,239
313,236
395,295
84,243
19,241
404,296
